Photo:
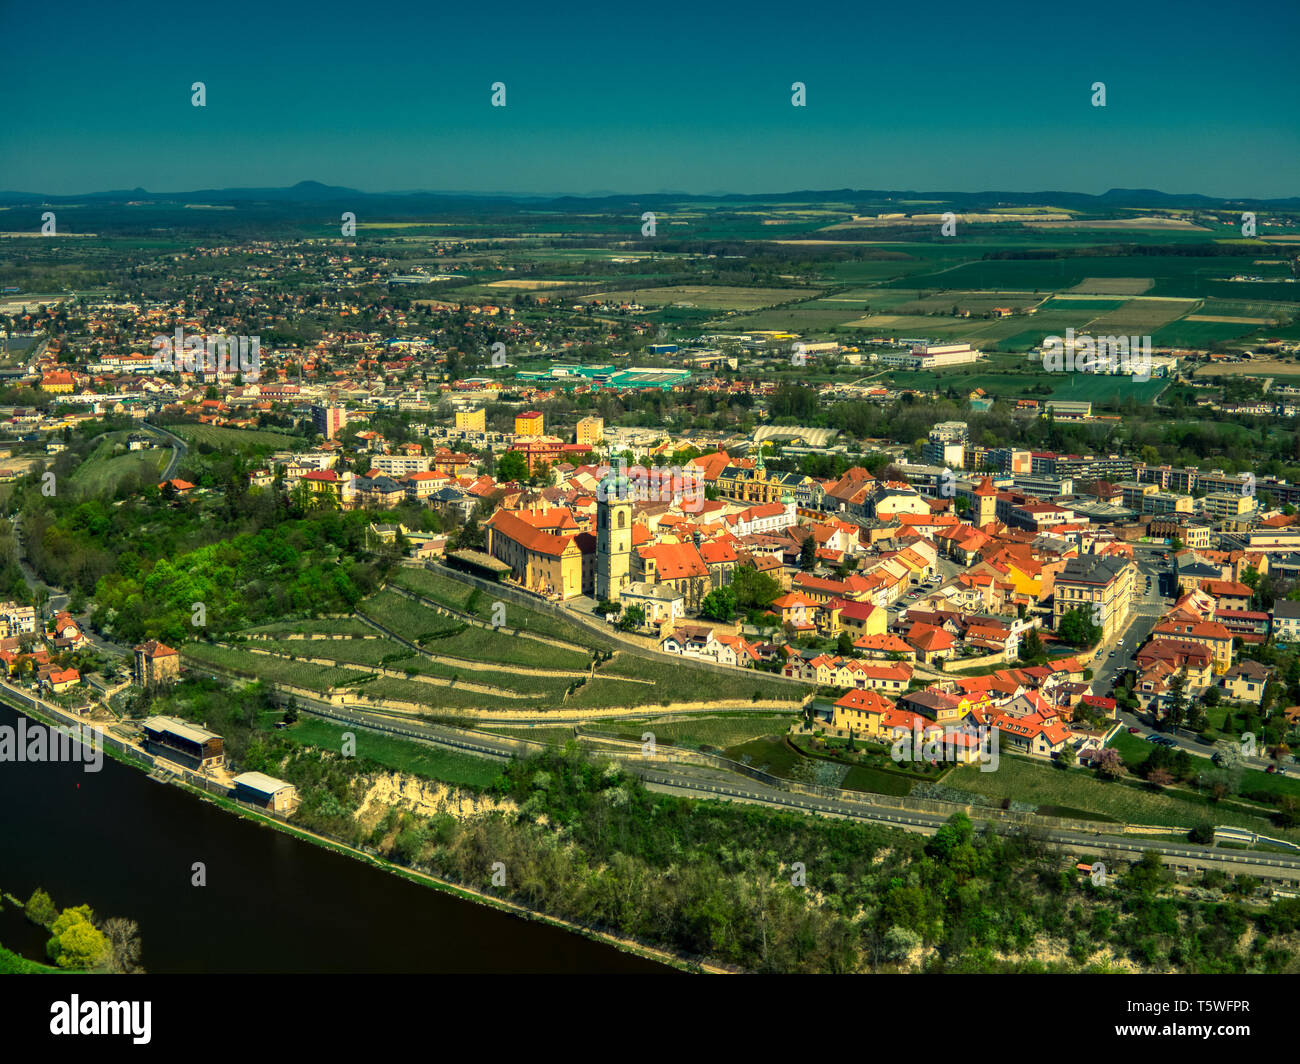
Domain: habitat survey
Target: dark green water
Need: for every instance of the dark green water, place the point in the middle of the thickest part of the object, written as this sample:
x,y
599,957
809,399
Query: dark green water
x,y
126,845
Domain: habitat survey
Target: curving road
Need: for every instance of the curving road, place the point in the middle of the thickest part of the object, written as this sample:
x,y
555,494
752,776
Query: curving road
x,y
179,448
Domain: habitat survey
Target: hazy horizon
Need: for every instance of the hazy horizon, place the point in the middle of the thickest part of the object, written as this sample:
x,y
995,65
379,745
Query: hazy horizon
x,y
616,102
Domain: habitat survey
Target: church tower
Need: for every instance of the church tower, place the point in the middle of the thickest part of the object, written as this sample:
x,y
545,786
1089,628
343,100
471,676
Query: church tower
x,y
613,537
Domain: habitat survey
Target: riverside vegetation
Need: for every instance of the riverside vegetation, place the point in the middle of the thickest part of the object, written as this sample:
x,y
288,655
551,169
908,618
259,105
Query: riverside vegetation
x,y
586,842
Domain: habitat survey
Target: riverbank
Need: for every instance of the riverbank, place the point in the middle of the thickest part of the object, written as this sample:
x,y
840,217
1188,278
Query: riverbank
x,y
424,879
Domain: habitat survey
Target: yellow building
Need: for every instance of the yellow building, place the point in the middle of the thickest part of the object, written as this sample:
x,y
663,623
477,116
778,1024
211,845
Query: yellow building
x,y
1209,634
472,420
859,713
59,382
529,423
556,566
1101,585
591,430
1230,507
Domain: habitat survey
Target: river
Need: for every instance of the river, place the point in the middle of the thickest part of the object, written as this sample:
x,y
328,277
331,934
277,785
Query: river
x,y
125,845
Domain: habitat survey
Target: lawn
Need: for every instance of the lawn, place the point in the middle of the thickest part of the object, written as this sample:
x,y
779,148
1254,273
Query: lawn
x,y
707,297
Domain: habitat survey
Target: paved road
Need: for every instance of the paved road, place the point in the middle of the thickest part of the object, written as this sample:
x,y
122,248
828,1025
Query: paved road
x,y
179,448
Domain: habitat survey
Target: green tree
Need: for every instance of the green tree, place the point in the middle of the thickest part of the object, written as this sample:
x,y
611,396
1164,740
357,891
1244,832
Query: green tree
x,y
633,617
512,466
1177,700
1031,647
719,604
1077,628
754,590
76,942
40,908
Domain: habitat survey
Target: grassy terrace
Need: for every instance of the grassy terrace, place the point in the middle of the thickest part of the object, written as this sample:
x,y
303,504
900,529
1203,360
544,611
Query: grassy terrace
x,y
530,675
436,633
315,626
276,670
714,732
480,603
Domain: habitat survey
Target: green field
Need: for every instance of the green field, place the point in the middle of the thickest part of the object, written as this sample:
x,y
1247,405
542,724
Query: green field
x,y
103,472
1128,802
1201,333
225,439
1087,387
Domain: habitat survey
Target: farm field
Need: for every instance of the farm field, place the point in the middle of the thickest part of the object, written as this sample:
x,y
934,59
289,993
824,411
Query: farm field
x,y
1187,333
707,297
1251,368
1124,286
1141,316
1081,386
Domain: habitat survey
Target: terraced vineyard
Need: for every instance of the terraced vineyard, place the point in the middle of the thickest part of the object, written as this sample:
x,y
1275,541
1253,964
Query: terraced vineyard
x,y
399,650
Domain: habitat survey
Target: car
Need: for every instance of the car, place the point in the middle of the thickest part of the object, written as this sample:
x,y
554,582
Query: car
x,y
1271,768
1135,731
1153,738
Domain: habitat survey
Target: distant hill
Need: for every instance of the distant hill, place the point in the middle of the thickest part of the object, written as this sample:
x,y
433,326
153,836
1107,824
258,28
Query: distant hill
x,y
314,192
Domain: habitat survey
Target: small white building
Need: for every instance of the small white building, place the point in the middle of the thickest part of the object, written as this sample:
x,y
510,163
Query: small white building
x,y
257,788
659,602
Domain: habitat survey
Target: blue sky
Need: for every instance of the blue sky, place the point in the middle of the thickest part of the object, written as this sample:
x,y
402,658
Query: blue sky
x,y
671,96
